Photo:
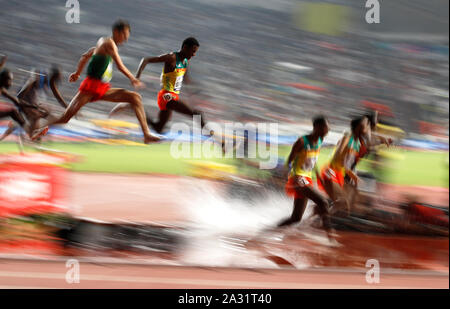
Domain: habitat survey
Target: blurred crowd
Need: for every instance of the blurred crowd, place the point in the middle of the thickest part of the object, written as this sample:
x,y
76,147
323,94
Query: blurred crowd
x,y
254,63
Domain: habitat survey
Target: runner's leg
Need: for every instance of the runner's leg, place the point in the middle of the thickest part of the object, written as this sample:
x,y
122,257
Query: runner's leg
x,y
78,101
297,213
11,114
321,203
183,108
351,191
338,196
119,108
11,128
14,114
135,100
163,117
17,117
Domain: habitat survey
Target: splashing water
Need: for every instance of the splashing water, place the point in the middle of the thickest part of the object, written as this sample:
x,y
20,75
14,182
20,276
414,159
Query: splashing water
x,y
221,226
210,210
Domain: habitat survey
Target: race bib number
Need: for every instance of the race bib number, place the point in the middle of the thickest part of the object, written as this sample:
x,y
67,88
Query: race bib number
x,y
178,83
329,173
302,181
167,97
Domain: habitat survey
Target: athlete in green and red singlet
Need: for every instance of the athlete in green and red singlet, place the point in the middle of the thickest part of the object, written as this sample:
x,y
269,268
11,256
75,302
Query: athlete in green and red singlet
x,y
96,85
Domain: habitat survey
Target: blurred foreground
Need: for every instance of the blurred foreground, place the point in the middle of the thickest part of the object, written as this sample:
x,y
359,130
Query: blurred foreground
x,y
173,220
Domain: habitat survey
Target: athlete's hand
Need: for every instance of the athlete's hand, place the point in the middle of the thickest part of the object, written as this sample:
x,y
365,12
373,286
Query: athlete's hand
x,y
386,141
137,84
74,77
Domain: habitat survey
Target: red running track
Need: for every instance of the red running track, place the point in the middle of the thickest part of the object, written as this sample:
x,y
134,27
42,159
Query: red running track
x,y
28,274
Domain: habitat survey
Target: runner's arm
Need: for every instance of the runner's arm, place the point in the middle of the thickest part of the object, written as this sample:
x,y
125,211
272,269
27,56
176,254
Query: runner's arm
x,y
26,88
378,140
298,146
163,58
187,77
114,52
57,94
340,147
15,100
81,64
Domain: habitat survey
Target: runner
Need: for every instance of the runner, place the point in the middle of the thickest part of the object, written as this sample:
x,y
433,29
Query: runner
x,y
173,73
38,81
371,139
345,155
302,160
8,110
368,142
96,85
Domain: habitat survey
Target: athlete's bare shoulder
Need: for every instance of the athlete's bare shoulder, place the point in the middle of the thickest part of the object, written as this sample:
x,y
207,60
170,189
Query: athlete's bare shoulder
x,y
298,145
105,46
171,57
169,60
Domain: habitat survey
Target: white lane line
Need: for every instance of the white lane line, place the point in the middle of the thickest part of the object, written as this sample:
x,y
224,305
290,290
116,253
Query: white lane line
x,y
146,262
190,282
32,72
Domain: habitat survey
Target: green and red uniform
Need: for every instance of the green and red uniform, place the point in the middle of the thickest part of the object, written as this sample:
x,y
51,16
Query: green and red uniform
x,y
99,74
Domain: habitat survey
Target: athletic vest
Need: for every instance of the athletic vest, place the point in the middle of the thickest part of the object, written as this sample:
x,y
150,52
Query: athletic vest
x,y
351,153
42,83
306,159
100,67
173,81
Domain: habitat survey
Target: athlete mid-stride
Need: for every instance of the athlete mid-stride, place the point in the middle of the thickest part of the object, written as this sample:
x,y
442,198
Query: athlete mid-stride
x,y
342,163
173,73
8,110
28,96
302,161
369,142
96,85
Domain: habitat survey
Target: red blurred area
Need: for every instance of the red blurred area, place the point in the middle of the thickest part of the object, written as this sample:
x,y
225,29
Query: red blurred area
x,y
430,128
381,108
28,188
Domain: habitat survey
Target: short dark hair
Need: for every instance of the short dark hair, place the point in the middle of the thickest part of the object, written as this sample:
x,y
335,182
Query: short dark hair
x,y
356,122
4,74
372,117
189,42
319,121
121,25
